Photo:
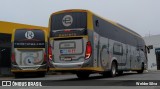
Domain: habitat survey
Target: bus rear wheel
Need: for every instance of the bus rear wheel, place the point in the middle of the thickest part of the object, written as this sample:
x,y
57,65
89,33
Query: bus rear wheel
x,y
83,75
113,71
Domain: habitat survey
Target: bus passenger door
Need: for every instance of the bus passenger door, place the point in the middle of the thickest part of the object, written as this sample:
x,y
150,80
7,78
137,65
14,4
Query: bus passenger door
x,y
132,57
139,57
124,55
128,57
135,59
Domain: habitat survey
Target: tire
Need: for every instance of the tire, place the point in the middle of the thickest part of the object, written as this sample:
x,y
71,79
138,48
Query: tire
x,y
82,75
113,71
18,75
142,69
120,72
42,74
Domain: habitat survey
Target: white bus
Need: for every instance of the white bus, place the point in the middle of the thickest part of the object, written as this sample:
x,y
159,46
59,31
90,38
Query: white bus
x,y
29,52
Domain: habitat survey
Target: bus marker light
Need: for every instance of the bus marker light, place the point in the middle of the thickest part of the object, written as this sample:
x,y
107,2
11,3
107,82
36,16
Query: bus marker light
x,y
50,52
88,50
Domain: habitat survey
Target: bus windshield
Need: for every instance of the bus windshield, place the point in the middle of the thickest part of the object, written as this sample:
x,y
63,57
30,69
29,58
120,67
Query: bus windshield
x,y
68,21
29,39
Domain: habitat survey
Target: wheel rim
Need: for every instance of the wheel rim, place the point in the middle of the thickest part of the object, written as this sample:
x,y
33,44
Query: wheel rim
x,y
113,69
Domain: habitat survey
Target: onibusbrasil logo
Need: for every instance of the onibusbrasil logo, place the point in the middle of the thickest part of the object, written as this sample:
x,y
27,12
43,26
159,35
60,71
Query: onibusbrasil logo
x,y
21,83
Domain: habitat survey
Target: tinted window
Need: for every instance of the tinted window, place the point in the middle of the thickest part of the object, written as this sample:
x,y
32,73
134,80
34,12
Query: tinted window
x,y
117,49
29,39
69,20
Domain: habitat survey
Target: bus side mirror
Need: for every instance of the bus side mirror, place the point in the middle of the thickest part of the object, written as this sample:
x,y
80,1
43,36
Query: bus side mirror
x,y
147,49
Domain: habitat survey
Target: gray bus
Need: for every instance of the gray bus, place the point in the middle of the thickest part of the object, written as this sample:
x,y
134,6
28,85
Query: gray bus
x,y
83,43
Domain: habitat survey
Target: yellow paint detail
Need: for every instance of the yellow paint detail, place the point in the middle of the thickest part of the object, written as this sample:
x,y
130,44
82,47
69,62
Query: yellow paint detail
x,y
8,27
12,37
89,20
46,35
29,48
39,70
87,68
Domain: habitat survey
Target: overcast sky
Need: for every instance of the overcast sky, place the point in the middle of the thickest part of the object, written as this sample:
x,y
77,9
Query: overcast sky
x,y
142,16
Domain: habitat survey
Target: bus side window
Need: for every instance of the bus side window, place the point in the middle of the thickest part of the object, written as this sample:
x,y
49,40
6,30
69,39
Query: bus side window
x,y
117,49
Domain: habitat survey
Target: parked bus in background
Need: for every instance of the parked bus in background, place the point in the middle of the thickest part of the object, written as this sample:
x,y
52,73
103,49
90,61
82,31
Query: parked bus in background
x,y
29,52
84,43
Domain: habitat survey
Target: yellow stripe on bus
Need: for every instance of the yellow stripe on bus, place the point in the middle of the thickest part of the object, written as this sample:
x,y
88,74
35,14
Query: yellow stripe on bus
x,y
29,48
39,70
89,20
87,68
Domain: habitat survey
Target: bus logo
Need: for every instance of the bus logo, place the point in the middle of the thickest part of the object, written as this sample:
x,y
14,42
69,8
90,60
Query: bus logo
x,y
29,34
67,20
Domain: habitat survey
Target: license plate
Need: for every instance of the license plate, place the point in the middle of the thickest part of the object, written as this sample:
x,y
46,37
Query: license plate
x,y
66,58
67,51
62,51
67,45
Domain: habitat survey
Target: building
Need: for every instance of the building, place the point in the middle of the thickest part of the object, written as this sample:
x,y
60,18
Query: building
x,y
6,29
153,42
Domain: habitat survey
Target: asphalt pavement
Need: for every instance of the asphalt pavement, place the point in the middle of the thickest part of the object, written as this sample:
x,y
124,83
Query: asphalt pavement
x,y
129,80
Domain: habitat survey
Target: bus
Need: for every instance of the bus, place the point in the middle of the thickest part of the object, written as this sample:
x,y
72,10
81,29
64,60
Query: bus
x,y
29,51
83,43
